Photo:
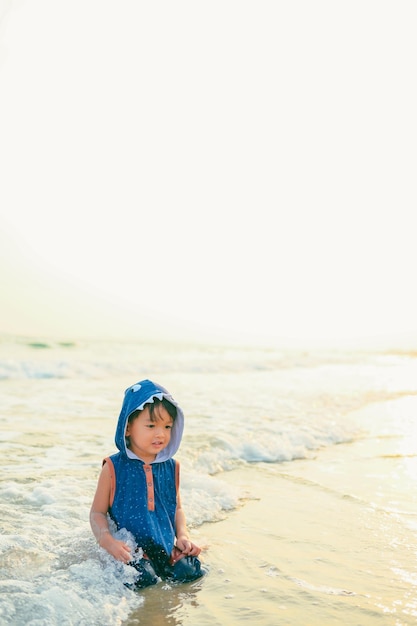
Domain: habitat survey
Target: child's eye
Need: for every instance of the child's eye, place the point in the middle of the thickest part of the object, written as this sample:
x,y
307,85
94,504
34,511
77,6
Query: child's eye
x,y
168,426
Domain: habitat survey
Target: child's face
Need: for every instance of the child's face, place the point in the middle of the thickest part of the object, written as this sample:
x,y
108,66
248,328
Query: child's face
x,y
147,438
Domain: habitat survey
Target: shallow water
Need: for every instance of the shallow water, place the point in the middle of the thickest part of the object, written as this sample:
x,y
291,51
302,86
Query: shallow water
x,y
307,461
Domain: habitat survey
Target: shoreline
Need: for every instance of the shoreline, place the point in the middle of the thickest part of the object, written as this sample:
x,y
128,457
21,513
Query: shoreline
x,y
302,548
263,566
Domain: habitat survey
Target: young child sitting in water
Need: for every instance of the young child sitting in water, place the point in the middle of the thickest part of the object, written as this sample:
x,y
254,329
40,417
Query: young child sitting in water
x,y
138,489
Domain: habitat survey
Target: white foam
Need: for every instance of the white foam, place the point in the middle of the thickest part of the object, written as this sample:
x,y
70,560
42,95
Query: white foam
x,y
206,499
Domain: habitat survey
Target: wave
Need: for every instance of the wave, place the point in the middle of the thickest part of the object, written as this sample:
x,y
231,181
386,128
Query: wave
x,y
38,358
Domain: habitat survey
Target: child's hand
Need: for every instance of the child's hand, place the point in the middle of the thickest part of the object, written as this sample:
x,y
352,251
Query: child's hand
x,y
187,547
118,549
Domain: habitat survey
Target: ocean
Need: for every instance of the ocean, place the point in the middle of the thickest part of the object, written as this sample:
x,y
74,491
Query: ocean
x,y
298,477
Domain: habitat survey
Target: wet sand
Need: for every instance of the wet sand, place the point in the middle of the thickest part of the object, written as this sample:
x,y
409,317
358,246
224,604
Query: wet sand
x,y
309,545
306,547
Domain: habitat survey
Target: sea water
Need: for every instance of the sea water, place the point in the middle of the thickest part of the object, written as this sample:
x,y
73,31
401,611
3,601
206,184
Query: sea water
x,y
276,412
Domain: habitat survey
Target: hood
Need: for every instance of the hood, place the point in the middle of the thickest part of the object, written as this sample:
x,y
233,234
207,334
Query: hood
x,y
135,399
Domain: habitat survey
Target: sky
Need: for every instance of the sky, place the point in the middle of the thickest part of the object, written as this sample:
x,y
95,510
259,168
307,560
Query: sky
x,y
224,170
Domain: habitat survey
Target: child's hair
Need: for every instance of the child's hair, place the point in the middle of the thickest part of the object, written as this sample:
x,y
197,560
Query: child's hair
x,y
172,410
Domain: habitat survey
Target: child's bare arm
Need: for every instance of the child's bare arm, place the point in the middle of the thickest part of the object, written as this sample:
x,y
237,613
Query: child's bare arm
x,y
183,540
98,520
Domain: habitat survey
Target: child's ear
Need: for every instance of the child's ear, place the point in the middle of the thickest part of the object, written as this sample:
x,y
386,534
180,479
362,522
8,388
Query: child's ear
x,y
127,433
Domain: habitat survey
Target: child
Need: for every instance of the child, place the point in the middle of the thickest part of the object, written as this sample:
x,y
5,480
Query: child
x,y
138,489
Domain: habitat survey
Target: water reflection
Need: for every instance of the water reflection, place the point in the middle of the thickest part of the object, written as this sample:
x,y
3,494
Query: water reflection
x,y
165,604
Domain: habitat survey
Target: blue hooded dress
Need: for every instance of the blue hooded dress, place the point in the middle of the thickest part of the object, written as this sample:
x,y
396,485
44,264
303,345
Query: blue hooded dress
x,y
144,496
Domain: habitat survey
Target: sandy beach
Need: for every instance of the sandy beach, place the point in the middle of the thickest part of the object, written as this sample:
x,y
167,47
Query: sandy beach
x,y
298,476
219,197
308,546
